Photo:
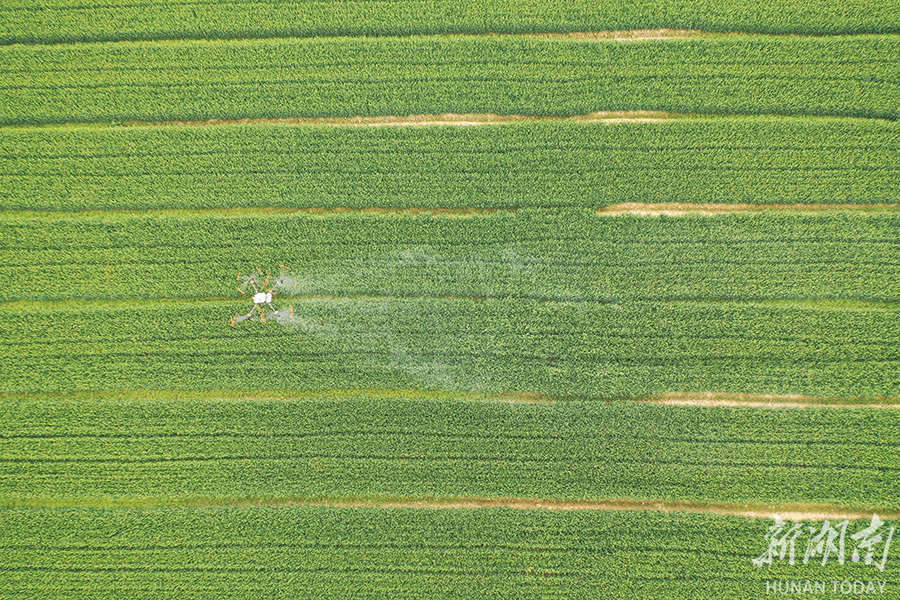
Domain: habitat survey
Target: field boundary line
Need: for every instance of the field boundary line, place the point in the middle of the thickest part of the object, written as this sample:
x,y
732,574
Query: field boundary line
x,y
696,399
772,401
608,117
416,120
845,304
604,35
640,209
682,209
787,511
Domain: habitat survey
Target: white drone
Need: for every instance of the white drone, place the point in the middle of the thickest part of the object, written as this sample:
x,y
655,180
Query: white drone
x,y
262,297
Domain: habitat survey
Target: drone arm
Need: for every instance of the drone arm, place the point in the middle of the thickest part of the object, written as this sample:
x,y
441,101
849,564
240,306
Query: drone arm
x,y
239,318
249,315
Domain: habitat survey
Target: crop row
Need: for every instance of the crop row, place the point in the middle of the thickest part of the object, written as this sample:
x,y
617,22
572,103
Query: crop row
x,y
756,161
178,80
32,21
173,450
321,552
513,344
572,254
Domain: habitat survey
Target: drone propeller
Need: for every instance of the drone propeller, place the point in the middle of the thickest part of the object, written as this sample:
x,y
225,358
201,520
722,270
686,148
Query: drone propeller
x,y
288,313
250,280
258,312
283,279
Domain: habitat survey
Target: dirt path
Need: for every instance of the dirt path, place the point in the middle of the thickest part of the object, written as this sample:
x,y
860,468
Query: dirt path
x,y
766,401
634,35
432,120
787,511
446,119
680,209
771,401
642,209
709,399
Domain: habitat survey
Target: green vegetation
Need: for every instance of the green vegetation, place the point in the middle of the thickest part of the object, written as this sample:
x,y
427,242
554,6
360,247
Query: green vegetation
x,y
527,255
493,301
42,21
511,344
224,450
758,161
472,318
308,552
186,80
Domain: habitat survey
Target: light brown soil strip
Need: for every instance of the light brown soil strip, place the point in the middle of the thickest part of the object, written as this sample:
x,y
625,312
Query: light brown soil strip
x,y
258,211
787,511
451,119
643,209
705,399
445,119
646,35
286,395
636,35
680,209
766,400
632,35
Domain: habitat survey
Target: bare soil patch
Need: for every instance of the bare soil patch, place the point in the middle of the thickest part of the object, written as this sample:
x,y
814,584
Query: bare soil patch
x,y
633,35
788,512
680,209
764,401
445,119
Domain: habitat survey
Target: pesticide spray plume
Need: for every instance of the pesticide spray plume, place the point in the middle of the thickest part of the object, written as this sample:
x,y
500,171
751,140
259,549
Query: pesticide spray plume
x,y
375,307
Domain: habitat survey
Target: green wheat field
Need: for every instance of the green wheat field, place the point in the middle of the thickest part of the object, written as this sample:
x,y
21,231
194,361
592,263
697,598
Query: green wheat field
x,y
574,299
